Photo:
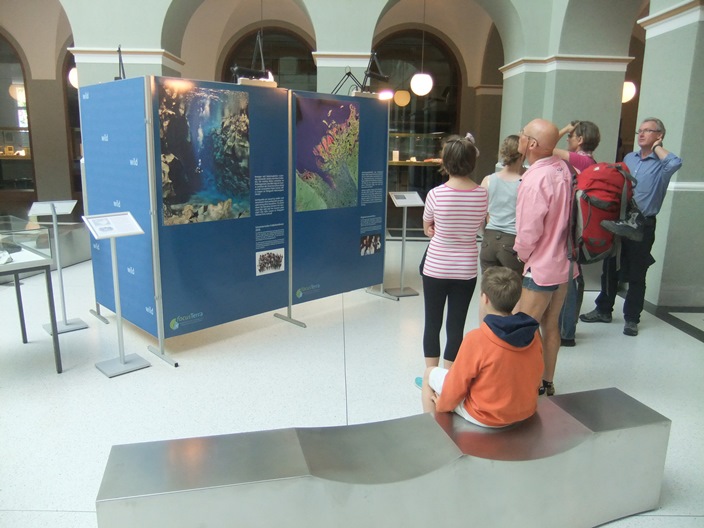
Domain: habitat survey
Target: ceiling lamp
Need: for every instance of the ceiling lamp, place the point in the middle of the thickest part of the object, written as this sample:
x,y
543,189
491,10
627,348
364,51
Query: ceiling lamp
x,y
402,97
422,83
73,77
629,91
16,91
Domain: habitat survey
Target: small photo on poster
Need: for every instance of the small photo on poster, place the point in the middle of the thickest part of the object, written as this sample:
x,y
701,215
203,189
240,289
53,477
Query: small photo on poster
x,y
270,261
327,154
369,244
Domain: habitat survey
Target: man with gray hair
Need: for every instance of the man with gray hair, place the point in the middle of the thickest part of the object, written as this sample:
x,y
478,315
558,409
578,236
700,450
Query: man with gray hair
x,y
652,167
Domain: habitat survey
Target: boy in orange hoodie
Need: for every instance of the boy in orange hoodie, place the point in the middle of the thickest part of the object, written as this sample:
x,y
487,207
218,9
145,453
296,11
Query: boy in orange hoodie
x,y
494,380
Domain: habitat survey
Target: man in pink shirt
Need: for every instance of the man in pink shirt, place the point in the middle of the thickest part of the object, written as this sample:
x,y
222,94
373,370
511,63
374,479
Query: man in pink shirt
x,y
542,219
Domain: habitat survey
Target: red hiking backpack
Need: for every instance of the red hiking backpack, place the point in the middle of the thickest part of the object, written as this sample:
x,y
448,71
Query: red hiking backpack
x,y
601,192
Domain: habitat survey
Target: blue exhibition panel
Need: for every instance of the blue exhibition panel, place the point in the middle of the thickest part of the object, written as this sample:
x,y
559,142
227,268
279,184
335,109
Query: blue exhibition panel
x,y
340,149
204,169
115,150
223,222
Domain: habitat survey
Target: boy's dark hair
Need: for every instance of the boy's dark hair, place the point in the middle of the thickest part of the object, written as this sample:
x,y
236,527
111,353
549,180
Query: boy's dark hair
x,y
503,288
459,156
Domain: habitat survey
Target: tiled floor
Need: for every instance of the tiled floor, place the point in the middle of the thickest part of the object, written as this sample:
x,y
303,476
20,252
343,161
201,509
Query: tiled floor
x,y
355,362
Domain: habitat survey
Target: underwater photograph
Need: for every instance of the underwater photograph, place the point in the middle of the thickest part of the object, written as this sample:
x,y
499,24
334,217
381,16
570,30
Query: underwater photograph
x,y
204,138
327,154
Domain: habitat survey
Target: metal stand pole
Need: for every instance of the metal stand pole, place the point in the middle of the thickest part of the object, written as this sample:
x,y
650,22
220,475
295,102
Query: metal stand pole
x,y
64,325
123,364
401,291
97,314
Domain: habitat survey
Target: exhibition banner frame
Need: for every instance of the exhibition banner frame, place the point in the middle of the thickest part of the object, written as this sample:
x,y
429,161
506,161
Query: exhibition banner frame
x,y
215,173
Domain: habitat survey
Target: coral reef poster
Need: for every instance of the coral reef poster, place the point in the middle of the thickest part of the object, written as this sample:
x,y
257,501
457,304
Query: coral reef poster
x,y
327,154
204,141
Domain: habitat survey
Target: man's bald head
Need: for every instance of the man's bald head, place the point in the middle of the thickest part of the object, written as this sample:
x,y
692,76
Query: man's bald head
x,y
539,139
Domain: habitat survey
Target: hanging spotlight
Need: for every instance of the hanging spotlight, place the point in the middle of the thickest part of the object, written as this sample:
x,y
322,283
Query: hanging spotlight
x,y
422,83
386,95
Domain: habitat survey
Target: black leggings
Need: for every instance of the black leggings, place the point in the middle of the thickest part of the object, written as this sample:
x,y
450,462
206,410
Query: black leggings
x,y
458,294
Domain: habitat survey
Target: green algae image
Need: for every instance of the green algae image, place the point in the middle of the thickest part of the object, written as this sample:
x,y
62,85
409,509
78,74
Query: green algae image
x,y
327,154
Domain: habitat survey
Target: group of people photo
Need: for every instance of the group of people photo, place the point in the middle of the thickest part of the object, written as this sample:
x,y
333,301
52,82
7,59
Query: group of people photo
x,y
531,284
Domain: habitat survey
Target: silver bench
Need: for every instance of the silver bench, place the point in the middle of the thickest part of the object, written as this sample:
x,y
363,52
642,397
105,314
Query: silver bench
x,y
584,459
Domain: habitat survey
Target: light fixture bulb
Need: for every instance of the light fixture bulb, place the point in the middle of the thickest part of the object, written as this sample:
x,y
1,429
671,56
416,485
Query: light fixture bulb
x,y
16,91
386,95
421,84
402,97
73,77
629,91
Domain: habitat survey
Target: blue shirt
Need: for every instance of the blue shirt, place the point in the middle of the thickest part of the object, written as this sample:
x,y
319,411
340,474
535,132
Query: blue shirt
x,y
652,176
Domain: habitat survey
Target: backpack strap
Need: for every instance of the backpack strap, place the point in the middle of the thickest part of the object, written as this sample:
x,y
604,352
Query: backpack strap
x,y
572,255
624,206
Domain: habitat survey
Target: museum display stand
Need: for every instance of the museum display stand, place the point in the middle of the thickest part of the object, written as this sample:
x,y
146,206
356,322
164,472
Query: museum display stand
x,y
251,198
404,200
111,227
53,209
22,251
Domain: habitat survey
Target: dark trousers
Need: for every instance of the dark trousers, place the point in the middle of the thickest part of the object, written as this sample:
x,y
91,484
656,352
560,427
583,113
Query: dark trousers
x,y
572,307
635,261
458,294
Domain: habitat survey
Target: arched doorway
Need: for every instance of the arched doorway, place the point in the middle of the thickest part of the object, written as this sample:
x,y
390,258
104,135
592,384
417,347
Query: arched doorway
x,y
399,55
16,167
417,124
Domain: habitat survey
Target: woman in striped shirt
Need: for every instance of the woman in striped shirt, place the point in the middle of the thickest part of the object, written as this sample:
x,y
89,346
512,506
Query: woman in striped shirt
x,y
454,212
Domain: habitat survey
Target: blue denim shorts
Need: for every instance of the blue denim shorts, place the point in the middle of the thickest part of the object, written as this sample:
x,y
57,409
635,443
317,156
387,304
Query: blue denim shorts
x,y
529,284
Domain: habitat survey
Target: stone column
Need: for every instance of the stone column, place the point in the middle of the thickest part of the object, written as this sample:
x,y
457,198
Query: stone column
x,y
149,34
561,88
344,30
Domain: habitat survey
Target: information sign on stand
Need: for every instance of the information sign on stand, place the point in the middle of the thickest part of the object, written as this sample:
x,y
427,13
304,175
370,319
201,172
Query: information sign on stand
x,y
404,200
53,209
112,226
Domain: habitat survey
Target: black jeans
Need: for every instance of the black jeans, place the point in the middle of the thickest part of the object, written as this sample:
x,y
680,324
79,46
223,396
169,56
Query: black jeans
x,y
635,261
458,294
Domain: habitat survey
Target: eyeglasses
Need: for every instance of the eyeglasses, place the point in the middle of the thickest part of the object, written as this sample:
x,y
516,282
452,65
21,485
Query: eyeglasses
x,y
646,131
521,133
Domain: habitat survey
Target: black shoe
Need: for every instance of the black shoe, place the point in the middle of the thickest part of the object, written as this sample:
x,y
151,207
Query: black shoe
x,y
567,342
546,388
624,228
595,316
630,328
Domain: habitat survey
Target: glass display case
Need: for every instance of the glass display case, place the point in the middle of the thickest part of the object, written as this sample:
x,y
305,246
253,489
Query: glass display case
x,y
414,165
16,169
23,245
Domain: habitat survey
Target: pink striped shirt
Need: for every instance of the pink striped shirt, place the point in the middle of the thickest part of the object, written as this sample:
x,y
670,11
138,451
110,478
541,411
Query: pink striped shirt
x,y
457,216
